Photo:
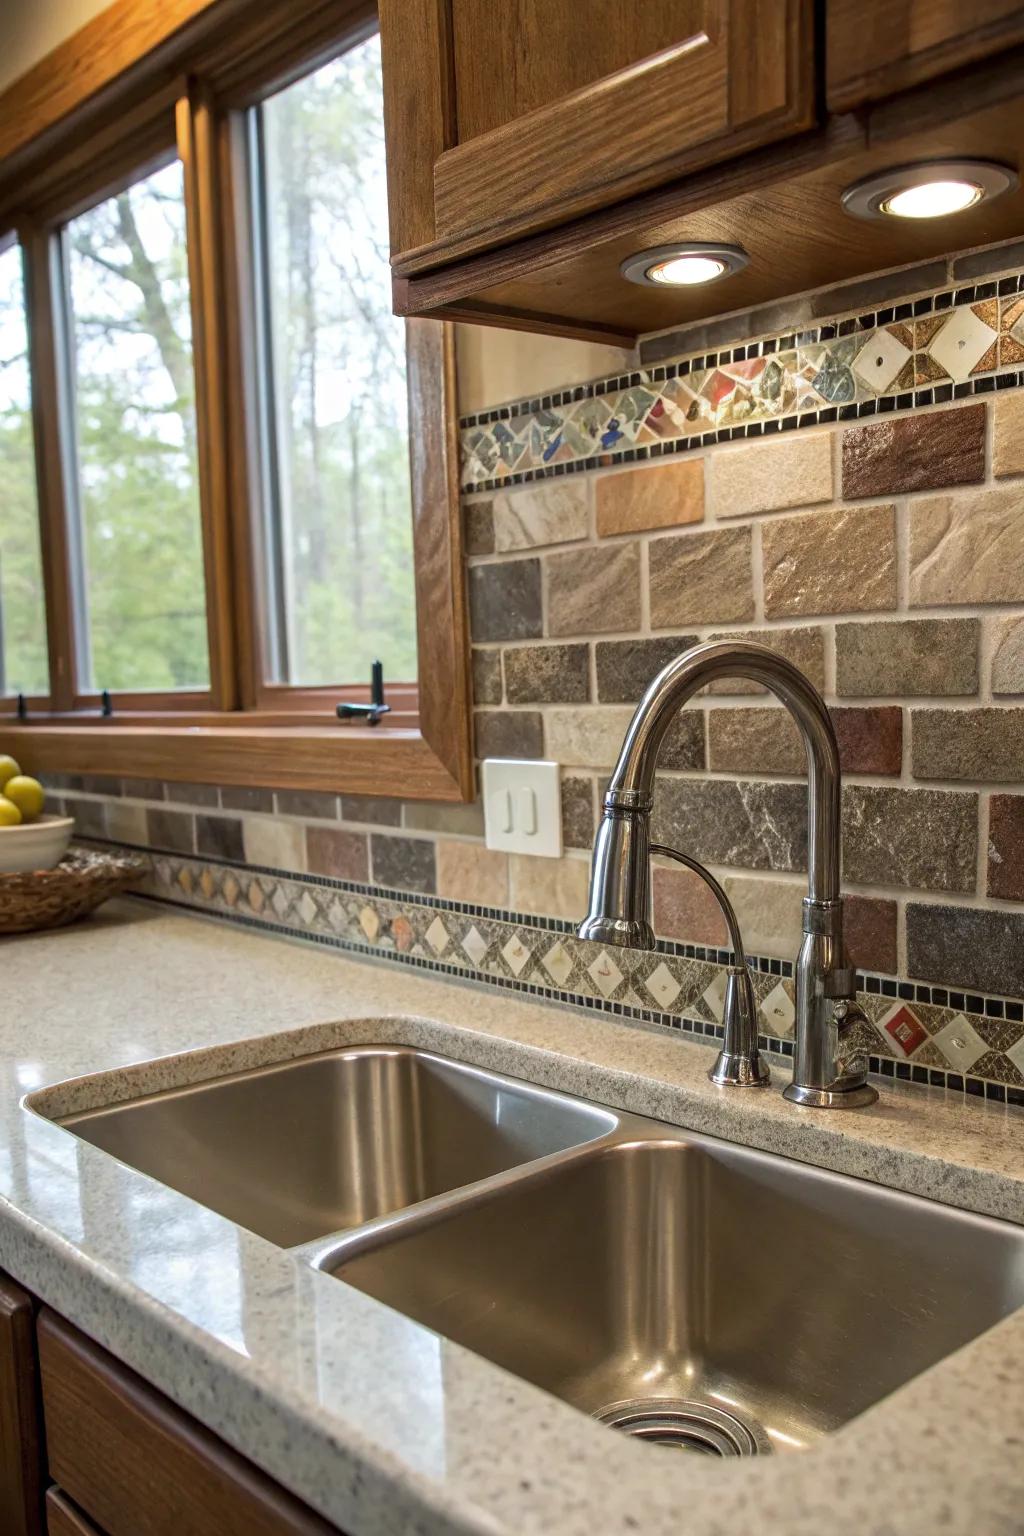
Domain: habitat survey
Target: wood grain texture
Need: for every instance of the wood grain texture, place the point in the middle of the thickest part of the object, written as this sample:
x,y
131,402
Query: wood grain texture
x,y
139,1466
419,112
22,1476
656,119
442,622
877,47
64,1518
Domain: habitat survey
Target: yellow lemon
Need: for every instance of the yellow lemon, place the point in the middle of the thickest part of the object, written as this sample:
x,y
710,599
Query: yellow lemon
x,y
10,816
28,795
8,769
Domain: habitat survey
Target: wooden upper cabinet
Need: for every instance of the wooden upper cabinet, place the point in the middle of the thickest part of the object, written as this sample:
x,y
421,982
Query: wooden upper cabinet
x,y
877,47
505,119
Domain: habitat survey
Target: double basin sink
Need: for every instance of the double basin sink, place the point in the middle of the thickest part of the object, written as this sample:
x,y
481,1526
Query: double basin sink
x,y
694,1293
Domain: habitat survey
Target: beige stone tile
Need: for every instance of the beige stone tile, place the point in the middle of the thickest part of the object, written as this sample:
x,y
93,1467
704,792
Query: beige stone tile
x,y
684,907
549,512
1008,433
701,578
770,914
1008,657
665,495
768,476
586,738
470,872
841,561
967,548
549,887
277,844
435,816
593,591
126,823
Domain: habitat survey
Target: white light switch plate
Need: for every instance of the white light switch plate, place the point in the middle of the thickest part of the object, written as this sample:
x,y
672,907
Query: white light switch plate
x,y
522,806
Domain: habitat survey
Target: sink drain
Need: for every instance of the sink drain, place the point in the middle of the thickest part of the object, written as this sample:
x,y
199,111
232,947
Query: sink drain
x,y
685,1426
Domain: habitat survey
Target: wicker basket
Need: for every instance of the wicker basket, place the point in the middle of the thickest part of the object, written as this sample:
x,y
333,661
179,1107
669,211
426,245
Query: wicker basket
x,y
49,898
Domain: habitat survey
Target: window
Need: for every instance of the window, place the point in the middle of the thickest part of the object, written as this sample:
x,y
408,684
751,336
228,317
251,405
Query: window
x,y
136,535
234,516
23,659
338,543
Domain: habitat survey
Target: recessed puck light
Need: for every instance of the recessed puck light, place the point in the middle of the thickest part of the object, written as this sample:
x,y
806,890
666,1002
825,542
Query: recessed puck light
x,y
684,266
932,190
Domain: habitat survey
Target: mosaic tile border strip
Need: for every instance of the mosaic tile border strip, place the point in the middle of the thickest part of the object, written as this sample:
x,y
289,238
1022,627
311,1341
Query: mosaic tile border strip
x,y
936,1042
948,345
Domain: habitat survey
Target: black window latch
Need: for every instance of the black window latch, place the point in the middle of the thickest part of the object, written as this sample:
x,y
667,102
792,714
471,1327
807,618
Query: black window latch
x,y
371,713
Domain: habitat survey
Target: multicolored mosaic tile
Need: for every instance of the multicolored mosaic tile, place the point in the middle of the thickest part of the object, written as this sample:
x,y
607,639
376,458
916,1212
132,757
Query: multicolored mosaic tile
x,y
945,346
917,1033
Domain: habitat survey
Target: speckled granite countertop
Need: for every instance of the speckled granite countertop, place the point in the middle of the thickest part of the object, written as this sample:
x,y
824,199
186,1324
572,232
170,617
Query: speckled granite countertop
x,y
371,1419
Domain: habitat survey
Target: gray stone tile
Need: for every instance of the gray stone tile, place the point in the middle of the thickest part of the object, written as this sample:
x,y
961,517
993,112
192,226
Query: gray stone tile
x,y
478,523
238,798
307,802
486,676
747,825
219,837
983,745
594,589
804,647
370,811
578,822
683,749
924,838
406,863
440,816
547,674
966,947
193,794
701,578
171,830
505,600
626,667
907,658
509,733
1008,657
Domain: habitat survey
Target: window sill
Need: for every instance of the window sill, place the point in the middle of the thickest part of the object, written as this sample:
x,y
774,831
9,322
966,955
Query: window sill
x,y
385,760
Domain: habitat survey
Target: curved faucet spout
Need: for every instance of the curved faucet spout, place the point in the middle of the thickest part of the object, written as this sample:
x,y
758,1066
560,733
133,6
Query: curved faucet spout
x,y
632,782
829,1067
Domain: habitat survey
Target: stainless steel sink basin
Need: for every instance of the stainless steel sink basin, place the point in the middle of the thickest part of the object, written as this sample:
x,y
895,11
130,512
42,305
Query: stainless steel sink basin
x,y
696,1293
323,1143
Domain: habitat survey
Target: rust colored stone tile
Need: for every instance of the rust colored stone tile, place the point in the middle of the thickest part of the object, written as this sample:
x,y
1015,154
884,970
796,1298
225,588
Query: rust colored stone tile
x,y
871,739
869,931
844,558
662,496
915,453
685,909
331,851
701,578
1006,847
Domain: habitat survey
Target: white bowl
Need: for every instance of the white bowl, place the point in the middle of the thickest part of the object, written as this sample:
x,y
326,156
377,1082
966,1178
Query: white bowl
x,y
37,844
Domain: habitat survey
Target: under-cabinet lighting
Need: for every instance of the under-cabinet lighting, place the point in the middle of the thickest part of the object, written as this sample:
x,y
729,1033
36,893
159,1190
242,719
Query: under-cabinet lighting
x,y
932,190
684,266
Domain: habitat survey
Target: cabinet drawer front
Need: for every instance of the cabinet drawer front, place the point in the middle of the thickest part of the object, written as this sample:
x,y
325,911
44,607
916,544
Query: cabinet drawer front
x,y
21,1473
65,1519
139,1466
739,73
877,47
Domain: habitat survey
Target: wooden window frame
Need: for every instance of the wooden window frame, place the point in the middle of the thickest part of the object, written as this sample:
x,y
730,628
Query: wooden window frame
x,y
136,82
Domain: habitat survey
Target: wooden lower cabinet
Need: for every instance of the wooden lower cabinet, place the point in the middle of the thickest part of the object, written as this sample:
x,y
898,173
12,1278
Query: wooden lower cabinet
x,y
87,1448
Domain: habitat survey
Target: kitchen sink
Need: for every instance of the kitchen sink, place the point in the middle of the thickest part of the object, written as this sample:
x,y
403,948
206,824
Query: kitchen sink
x,y
695,1293
327,1142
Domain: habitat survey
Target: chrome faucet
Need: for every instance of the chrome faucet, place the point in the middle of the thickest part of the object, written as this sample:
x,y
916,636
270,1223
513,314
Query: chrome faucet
x,y
828,1070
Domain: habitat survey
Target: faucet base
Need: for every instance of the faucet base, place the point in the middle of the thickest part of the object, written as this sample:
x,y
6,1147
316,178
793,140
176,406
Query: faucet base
x,y
738,1070
831,1098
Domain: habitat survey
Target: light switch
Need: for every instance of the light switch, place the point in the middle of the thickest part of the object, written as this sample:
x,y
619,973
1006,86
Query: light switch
x,y
522,806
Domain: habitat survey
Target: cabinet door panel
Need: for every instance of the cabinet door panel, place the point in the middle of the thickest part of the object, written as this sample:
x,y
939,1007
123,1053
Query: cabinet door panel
x,y
877,47
63,1518
21,1472
548,112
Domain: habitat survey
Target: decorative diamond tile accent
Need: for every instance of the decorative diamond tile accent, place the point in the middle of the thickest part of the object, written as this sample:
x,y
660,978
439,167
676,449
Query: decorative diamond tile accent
x,y
437,936
714,996
369,922
778,1011
960,1043
663,986
879,361
279,900
517,954
902,1029
604,973
961,343
307,908
475,945
558,964
1016,1055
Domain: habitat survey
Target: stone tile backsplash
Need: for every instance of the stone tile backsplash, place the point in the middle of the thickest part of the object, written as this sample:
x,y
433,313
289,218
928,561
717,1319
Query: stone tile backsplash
x,y
850,495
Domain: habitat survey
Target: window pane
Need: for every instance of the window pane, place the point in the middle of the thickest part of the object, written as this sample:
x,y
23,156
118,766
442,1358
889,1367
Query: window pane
x,y
341,536
24,666
142,620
